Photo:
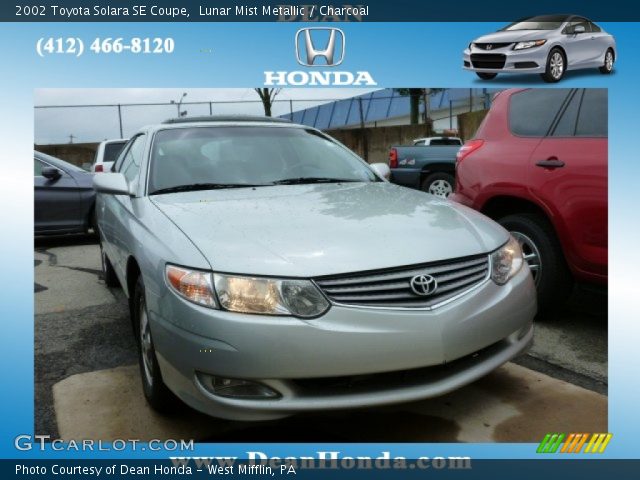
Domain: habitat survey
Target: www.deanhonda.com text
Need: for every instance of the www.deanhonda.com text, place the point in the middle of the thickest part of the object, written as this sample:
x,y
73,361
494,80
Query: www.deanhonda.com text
x,y
321,460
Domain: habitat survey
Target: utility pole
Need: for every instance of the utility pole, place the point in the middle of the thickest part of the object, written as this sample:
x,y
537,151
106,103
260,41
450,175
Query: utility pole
x,y
71,137
120,119
363,130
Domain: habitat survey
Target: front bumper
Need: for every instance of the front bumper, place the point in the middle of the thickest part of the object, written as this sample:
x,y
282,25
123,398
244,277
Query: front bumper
x,y
505,60
348,358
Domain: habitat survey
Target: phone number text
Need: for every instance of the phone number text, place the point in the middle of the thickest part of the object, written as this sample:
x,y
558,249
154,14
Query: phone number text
x,y
76,46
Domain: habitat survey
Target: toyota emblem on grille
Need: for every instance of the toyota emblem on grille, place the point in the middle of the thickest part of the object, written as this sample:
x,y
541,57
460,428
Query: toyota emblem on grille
x,y
424,285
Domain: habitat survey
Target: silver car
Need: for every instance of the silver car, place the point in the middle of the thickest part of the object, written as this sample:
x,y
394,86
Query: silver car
x,y
546,44
270,271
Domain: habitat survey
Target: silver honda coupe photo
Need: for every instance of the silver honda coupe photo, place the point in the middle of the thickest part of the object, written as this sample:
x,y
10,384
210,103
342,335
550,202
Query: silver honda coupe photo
x,y
546,44
271,271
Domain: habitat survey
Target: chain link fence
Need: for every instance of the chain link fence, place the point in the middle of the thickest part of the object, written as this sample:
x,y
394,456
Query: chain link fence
x,y
87,123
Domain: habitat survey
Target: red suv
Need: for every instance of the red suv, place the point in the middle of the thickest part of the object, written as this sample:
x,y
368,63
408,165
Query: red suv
x,y
538,166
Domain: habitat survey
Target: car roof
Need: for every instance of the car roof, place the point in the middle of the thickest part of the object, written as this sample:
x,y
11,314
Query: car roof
x,y
437,137
222,121
226,118
557,17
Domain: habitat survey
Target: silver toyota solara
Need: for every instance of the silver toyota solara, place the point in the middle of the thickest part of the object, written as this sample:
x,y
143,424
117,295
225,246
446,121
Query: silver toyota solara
x,y
546,44
270,271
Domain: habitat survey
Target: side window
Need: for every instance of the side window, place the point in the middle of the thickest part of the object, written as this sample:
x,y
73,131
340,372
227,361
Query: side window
x,y
571,26
594,28
532,112
566,126
130,165
37,167
593,118
121,155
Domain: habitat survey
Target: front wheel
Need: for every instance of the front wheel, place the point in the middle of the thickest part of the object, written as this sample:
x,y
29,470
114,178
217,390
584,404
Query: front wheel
x,y
439,184
556,66
544,255
486,76
158,395
607,67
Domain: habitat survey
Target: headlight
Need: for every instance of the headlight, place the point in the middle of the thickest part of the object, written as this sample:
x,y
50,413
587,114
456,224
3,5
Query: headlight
x,y
470,45
269,296
529,44
194,285
506,261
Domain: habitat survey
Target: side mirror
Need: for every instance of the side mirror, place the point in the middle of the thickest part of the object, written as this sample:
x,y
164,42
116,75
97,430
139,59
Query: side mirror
x,y
578,29
113,183
51,173
382,169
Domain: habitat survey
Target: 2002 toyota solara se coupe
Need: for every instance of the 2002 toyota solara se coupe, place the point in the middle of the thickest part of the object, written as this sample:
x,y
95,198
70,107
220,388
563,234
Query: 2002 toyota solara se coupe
x,y
547,44
270,271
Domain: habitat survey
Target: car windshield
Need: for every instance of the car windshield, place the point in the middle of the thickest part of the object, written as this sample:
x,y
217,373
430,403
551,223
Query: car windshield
x,y
112,150
543,22
216,157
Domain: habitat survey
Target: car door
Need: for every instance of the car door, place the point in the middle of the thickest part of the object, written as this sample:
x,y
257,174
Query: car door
x,y
600,43
56,202
569,176
116,211
577,45
531,113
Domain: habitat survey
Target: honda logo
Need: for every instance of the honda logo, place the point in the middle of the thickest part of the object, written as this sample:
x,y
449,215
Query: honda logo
x,y
315,43
319,47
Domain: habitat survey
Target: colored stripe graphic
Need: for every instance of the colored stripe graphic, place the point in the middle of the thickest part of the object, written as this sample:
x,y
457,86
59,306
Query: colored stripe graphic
x,y
570,443
605,442
583,439
573,442
557,443
543,443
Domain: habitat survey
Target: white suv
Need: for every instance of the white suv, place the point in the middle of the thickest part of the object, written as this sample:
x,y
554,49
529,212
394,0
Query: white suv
x,y
107,153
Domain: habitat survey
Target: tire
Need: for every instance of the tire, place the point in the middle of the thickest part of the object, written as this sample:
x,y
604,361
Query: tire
x,y
157,394
556,66
539,242
486,76
440,184
108,273
609,59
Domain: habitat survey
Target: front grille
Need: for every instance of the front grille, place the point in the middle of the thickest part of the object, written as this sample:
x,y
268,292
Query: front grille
x,y
491,46
488,60
392,287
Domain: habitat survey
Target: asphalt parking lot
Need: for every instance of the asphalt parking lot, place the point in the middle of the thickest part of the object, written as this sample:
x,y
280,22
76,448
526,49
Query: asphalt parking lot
x,y
87,385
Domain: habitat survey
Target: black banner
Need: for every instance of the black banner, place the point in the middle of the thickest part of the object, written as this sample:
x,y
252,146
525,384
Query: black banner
x,y
307,11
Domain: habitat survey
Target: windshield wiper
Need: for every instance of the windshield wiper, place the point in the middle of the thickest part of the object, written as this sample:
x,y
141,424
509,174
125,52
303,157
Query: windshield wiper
x,y
192,187
305,180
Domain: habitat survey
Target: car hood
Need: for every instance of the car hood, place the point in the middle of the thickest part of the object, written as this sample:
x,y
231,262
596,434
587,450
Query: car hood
x,y
514,36
314,230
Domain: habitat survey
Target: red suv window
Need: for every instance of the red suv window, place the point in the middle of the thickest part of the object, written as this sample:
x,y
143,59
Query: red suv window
x,y
530,114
